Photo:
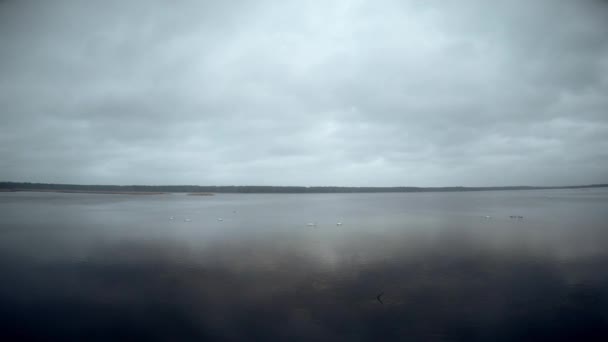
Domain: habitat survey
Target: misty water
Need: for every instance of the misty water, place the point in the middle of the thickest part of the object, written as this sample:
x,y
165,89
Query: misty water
x,y
412,266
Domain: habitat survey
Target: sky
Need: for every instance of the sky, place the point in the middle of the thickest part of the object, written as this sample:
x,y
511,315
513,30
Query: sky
x,y
311,93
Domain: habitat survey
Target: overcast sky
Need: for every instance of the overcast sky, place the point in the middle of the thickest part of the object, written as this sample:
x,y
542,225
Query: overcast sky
x,y
352,93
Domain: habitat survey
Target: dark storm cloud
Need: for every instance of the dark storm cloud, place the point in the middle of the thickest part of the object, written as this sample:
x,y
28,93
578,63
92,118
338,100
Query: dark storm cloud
x,y
347,93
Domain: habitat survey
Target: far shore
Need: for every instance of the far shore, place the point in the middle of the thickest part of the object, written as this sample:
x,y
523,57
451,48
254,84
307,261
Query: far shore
x,y
196,190
104,192
87,192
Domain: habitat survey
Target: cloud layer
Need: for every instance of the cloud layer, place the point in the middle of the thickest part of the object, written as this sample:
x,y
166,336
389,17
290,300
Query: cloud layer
x,y
363,93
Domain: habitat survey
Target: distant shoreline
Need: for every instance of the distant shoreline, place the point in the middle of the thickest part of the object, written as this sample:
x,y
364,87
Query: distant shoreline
x,y
86,192
196,190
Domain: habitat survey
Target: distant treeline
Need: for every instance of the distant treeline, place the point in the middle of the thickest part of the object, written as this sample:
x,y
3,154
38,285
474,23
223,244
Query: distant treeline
x,y
14,186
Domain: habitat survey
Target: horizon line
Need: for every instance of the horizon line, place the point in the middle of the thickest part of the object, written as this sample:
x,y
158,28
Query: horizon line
x,y
4,183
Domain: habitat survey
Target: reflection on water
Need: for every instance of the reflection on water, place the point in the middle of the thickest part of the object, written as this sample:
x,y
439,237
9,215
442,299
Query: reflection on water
x,y
108,267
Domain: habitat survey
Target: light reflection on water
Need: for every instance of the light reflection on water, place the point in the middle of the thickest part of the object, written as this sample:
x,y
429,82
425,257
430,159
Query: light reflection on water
x,y
106,267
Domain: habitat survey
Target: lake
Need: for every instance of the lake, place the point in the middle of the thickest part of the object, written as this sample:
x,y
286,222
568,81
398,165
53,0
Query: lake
x,y
463,266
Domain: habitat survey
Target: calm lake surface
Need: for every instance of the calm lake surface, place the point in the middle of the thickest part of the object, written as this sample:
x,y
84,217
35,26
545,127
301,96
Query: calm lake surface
x,y
446,266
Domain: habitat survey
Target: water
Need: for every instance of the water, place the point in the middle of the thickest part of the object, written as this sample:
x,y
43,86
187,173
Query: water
x,y
116,267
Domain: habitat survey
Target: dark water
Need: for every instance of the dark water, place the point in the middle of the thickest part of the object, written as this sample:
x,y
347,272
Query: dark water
x,y
115,267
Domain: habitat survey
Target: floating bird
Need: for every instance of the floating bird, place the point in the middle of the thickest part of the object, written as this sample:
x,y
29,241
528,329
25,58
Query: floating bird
x,y
171,218
379,297
339,224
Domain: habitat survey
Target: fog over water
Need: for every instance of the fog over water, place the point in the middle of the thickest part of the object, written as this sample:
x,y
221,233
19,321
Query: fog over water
x,y
449,266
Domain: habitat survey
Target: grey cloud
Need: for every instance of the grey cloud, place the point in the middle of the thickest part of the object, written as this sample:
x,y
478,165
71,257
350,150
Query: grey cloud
x,y
348,93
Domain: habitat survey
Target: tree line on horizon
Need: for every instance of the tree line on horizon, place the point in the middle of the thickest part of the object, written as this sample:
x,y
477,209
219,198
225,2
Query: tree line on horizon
x,y
26,186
